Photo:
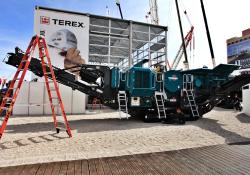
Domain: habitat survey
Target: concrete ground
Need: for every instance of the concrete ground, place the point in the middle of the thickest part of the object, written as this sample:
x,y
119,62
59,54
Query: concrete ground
x,y
32,139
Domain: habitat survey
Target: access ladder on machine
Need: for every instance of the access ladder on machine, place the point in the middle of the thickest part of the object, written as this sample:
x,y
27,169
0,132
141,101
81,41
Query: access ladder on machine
x,y
52,86
159,98
188,87
122,102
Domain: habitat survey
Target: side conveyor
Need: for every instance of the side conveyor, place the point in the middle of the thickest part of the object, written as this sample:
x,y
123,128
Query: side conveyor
x,y
92,80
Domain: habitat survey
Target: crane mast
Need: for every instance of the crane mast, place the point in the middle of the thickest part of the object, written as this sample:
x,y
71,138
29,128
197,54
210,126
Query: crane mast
x,y
153,13
118,3
187,40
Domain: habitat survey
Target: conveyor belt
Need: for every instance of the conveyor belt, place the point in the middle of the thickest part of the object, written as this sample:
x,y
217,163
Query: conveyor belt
x,y
86,83
235,83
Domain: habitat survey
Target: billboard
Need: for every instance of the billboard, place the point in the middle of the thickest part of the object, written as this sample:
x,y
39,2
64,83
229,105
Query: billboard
x,y
66,34
237,48
239,53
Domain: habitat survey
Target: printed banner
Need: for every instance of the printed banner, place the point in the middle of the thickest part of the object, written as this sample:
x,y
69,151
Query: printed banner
x,y
67,37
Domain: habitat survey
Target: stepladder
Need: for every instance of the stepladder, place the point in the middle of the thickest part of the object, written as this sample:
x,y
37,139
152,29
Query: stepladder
x,y
55,99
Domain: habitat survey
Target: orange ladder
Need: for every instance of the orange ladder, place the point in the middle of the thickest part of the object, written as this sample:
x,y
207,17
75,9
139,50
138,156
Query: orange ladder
x,y
12,92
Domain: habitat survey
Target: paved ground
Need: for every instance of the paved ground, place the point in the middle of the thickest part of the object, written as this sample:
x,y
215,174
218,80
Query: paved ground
x,y
212,160
31,140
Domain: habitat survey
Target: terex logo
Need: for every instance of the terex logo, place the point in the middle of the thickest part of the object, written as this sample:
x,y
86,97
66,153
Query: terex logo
x,y
68,23
61,22
44,20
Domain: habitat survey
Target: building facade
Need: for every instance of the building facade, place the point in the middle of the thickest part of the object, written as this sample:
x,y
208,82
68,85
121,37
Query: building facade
x,y
238,52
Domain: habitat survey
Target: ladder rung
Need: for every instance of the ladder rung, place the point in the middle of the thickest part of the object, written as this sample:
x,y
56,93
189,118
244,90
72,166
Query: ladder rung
x,y
7,98
13,88
48,73
28,53
24,61
5,108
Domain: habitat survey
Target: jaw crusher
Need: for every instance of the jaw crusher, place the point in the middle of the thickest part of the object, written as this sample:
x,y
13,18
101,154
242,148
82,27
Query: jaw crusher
x,y
148,93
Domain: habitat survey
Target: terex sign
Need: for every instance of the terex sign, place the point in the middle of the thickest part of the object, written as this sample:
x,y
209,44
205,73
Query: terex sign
x,y
66,35
61,22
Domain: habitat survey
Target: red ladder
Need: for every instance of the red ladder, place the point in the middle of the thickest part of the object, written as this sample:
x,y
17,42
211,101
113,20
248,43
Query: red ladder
x,y
12,92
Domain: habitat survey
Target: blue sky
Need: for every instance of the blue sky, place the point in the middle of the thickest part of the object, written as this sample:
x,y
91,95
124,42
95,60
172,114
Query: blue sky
x,y
17,20
226,19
